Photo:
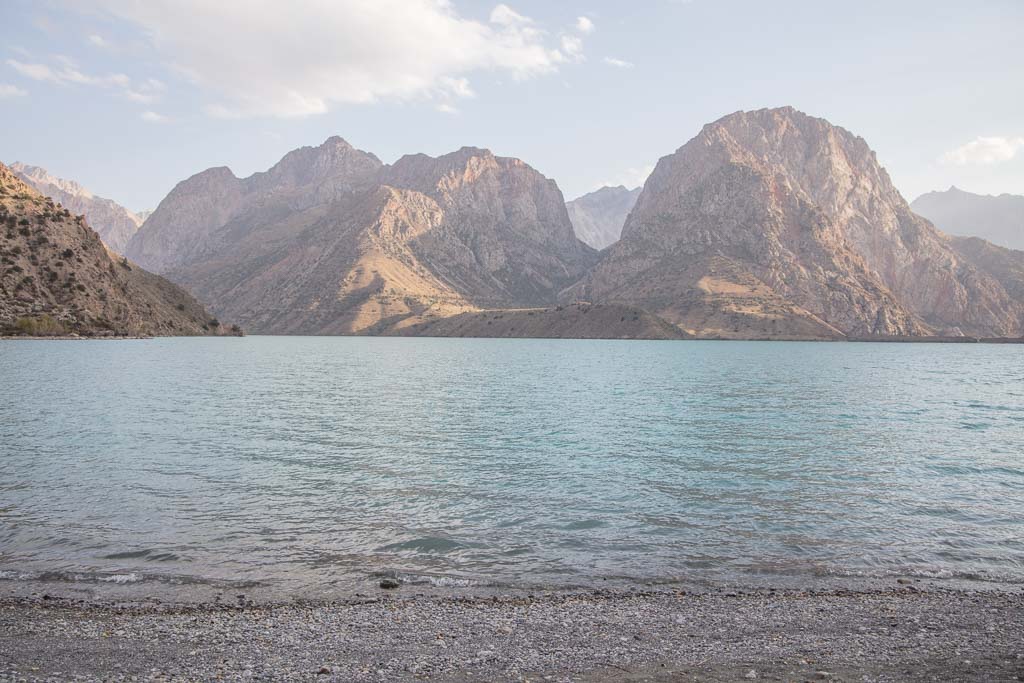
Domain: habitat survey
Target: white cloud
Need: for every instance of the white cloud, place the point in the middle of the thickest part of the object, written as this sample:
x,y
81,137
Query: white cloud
x,y
459,87
584,25
572,46
38,72
98,41
147,92
64,71
153,117
446,108
619,63
10,91
984,151
264,58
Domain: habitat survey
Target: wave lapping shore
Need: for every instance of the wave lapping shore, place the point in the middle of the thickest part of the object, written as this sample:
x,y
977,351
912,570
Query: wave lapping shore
x,y
903,633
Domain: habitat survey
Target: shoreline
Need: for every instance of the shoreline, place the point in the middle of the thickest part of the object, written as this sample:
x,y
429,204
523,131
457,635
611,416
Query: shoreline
x,y
855,340
897,633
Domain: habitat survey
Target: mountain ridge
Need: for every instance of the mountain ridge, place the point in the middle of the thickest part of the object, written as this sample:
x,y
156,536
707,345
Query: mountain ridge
x,y
114,223
357,243
996,218
767,224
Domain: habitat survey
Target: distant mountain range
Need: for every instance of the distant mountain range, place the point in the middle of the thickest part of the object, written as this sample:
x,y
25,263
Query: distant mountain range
x,y
998,219
114,223
768,224
57,277
598,217
332,241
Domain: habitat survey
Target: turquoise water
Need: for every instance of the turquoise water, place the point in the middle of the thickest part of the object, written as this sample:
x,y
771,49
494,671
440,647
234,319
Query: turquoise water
x,y
311,465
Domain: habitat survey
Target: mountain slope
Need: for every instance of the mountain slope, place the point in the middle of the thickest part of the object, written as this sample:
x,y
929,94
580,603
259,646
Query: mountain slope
x,y
114,223
775,222
598,217
998,219
574,321
57,276
330,241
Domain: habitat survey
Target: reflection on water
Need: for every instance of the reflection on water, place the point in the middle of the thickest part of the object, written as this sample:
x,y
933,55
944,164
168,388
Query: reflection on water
x,y
306,463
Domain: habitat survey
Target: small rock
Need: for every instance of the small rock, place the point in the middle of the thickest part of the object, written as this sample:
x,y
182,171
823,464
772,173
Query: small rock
x,y
750,674
389,584
323,671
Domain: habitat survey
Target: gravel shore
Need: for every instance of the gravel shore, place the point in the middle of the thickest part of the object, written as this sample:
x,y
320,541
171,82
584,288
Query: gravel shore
x,y
894,634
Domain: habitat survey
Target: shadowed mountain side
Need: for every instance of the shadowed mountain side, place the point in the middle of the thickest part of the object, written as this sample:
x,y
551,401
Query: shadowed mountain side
x,y
338,269
572,321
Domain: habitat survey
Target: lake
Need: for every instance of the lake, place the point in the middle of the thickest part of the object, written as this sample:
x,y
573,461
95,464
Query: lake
x,y
312,466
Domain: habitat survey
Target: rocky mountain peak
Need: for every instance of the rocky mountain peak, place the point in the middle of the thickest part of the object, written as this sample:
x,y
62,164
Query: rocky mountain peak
x,y
37,175
774,216
334,159
598,217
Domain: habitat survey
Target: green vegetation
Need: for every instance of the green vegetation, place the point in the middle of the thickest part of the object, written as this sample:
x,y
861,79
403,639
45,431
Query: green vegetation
x,y
41,326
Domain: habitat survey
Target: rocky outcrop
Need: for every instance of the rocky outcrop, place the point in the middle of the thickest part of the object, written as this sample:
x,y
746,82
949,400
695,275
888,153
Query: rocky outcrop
x,y
57,277
598,217
998,219
330,241
776,223
114,223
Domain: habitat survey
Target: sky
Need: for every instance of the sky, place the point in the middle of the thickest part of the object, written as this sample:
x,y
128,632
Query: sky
x,y
129,97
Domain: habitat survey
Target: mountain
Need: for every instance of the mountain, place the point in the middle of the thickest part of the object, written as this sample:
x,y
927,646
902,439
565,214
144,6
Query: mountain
x,y
772,223
573,321
214,206
332,241
143,215
57,277
598,217
998,219
114,223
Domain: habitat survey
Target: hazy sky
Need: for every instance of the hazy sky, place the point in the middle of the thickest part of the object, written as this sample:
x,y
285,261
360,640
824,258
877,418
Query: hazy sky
x,y
130,97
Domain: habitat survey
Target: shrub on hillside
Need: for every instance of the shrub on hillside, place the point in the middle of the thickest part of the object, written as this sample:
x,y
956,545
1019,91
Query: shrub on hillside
x,y
41,326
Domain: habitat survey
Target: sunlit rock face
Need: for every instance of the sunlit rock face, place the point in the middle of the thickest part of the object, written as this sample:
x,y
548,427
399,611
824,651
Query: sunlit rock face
x,y
774,223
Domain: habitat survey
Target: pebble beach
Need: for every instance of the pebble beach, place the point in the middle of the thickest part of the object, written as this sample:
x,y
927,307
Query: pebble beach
x,y
903,632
